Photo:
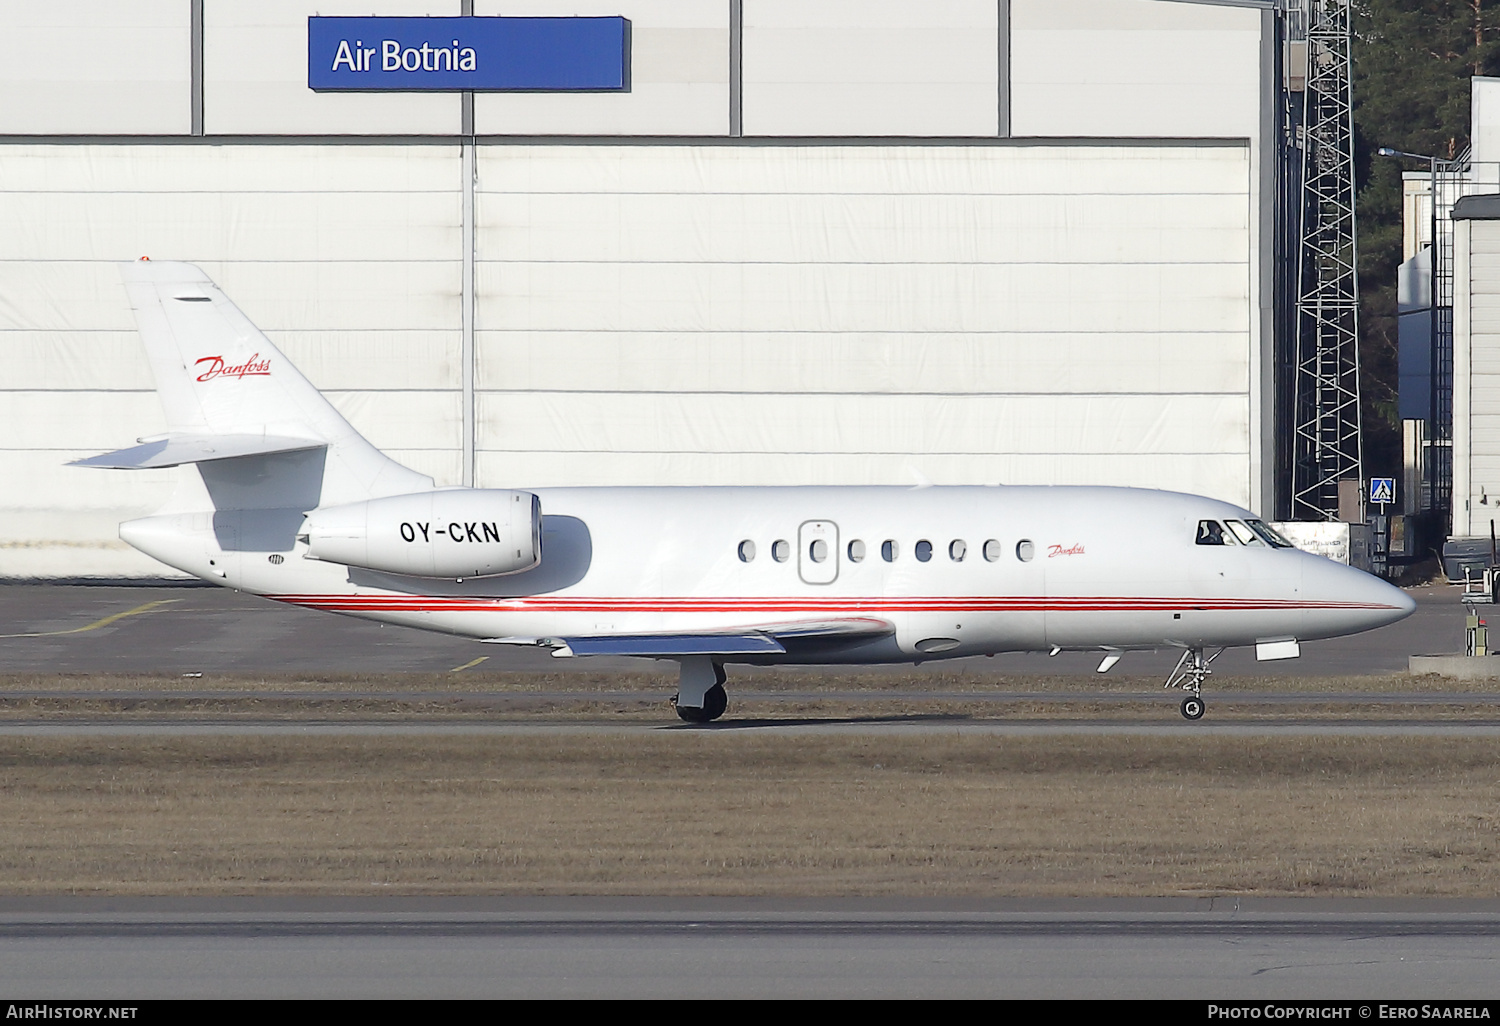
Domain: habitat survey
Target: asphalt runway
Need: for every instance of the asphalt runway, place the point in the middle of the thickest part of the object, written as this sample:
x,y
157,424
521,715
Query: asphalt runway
x,y
1221,949
48,628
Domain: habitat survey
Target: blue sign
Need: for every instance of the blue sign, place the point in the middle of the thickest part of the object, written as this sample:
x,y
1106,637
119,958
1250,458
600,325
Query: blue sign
x,y
1382,489
468,54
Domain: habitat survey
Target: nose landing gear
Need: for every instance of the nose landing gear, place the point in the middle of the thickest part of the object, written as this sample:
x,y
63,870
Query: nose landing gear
x,y
1190,673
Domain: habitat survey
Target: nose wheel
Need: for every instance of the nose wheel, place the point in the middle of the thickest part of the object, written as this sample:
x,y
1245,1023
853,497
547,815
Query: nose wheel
x,y
1190,673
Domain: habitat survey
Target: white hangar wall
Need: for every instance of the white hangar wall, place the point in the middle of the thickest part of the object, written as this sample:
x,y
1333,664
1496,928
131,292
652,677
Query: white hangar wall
x,y
864,314
958,240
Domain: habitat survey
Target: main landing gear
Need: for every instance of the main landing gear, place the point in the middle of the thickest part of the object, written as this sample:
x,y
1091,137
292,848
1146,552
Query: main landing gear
x,y
1190,673
700,694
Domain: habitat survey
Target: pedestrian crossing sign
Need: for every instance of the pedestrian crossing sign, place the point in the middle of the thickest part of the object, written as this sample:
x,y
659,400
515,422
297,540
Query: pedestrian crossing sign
x,y
1382,489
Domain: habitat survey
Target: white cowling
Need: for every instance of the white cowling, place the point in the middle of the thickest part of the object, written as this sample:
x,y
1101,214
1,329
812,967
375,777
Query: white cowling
x,y
449,533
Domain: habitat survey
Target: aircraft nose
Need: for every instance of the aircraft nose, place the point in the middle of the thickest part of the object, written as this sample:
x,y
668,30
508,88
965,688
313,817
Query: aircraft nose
x,y
1354,601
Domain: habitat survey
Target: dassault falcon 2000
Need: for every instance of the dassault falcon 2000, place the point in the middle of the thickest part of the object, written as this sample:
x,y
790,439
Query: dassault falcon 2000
x,y
288,501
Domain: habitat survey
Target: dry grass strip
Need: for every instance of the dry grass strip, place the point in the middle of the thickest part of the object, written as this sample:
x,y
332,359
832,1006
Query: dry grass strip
x,y
713,813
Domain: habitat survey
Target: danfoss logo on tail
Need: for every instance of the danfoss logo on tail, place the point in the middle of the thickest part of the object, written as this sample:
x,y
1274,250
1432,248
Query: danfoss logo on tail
x,y
217,368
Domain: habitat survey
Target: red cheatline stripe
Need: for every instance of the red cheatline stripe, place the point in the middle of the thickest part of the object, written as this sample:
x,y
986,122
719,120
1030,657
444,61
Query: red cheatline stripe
x,y
777,606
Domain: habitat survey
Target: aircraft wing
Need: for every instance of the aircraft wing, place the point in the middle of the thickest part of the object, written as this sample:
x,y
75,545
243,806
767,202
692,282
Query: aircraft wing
x,y
764,639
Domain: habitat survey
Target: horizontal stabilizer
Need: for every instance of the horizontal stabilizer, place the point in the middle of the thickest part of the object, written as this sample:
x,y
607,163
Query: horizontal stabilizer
x,y
175,450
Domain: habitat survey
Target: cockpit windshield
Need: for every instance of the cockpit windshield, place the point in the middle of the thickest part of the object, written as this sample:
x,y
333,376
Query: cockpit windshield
x,y
1273,537
1254,533
1211,532
1244,534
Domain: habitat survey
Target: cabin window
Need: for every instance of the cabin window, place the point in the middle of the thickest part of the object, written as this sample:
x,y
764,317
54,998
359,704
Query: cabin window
x,y
1243,533
1025,550
781,550
818,551
957,550
922,550
1273,537
992,550
889,550
856,551
1211,532
747,551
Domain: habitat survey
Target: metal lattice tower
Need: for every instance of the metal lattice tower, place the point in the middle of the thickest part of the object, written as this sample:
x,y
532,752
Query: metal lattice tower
x,y
1326,441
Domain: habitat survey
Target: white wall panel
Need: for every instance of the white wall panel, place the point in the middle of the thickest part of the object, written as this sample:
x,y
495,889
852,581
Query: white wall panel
x,y
255,75
338,360
181,171
1484,124
643,306
281,226
95,67
73,361
679,74
88,296
53,485
1479,377
890,228
1205,473
79,421
62,296
841,170
73,543
1485,309
373,296
1139,68
375,360
877,297
403,420
853,362
686,422
871,68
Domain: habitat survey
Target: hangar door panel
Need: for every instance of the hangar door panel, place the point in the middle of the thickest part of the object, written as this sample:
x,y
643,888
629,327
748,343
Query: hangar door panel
x,y
820,314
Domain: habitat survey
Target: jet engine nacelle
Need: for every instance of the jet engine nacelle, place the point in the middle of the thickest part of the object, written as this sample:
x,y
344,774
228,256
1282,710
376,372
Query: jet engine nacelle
x,y
457,533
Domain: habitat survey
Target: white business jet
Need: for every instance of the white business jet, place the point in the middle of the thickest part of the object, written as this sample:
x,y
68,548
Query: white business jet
x,y
291,503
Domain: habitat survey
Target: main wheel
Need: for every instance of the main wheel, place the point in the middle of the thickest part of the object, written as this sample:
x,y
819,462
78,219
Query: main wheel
x,y
1192,708
715,701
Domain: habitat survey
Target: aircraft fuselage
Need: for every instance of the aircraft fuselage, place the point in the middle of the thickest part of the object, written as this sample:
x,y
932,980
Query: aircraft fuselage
x,y
1005,569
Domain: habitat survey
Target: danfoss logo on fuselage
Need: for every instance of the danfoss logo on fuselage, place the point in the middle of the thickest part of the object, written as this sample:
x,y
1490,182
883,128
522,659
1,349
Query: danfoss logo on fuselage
x,y
394,58
217,368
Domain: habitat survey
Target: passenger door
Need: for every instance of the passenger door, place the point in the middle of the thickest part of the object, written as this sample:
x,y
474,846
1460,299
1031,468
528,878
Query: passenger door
x,y
818,551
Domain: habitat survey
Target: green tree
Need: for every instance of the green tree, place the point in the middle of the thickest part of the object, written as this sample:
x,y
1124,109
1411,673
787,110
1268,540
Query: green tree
x,y
1412,63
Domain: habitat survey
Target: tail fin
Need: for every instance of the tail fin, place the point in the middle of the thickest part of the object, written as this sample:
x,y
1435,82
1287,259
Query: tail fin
x,y
228,393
